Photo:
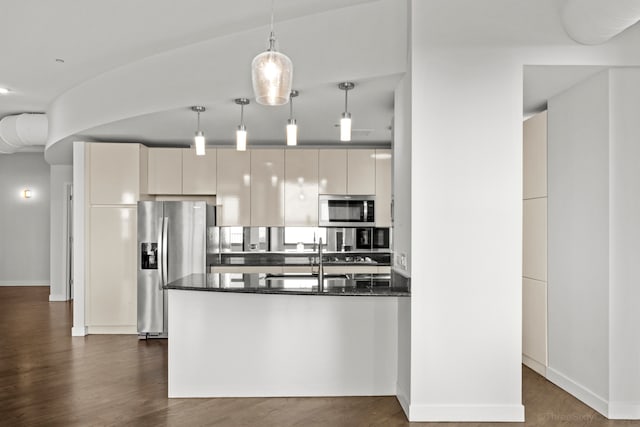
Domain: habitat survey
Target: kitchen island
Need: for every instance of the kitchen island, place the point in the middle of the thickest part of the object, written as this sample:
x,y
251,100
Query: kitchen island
x,y
241,335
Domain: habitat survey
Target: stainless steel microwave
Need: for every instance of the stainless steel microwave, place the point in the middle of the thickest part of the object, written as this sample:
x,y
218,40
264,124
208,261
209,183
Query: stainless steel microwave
x,y
346,211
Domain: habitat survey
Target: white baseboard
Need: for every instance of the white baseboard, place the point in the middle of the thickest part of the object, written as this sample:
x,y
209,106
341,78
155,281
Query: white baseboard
x,y
578,391
466,413
79,331
55,298
624,411
23,283
112,330
535,365
403,399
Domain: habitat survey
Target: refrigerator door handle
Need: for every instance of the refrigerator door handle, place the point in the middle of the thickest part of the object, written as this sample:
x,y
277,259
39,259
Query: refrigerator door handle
x,y
165,258
160,253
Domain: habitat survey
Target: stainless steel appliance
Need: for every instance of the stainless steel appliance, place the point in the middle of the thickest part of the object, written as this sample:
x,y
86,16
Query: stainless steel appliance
x,y
372,238
172,243
346,211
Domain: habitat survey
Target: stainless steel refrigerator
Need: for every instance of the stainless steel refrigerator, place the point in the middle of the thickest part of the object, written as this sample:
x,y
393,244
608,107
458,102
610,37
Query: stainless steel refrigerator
x,y
172,243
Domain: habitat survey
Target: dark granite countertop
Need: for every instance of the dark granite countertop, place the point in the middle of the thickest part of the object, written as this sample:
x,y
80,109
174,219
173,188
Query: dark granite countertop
x,y
393,285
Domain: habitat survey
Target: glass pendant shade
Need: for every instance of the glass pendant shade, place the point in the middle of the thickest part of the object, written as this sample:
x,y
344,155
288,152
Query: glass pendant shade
x,y
272,74
292,132
345,127
241,138
200,143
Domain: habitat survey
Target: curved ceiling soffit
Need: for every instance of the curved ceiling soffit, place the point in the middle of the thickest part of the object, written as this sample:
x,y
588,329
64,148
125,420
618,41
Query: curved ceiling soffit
x,y
208,70
593,22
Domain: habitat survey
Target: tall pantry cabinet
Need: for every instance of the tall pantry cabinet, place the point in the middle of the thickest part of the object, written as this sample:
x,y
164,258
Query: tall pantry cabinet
x,y
115,174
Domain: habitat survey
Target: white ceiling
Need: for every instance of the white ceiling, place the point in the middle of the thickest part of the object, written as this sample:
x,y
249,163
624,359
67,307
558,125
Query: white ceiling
x,y
132,69
100,42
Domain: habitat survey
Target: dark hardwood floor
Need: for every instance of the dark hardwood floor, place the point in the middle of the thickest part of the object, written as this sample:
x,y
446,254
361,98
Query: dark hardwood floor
x,y
49,378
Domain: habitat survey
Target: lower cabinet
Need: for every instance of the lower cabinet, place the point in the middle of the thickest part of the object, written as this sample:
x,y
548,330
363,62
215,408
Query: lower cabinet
x,y
112,270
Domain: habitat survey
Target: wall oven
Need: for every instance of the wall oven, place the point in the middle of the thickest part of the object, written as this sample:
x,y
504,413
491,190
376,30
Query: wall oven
x,y
346,211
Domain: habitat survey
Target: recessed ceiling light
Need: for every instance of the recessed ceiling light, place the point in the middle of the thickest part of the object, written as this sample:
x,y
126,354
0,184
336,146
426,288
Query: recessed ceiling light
x,y
4,91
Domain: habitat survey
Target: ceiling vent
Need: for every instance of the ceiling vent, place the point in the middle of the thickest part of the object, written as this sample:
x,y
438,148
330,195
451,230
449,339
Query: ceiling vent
x,y
21,131
596,21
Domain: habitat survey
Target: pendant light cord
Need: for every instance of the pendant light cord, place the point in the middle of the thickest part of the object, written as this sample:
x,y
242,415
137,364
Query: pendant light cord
x,y
241,114
272,34
290,106
346,92
198,121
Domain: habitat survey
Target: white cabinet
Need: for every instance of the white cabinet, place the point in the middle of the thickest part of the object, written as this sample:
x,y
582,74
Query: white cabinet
x,y
114,173
534,323
234,188
267,188
199,172
535,156
111,291
301,188
361,172
534,239
165,171
383,188
332,171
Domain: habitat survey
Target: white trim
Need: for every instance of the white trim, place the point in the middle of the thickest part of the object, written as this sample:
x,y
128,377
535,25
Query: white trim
x,y
578,391
23,283
403,400
466,413
538,367
78,331
113,330
624,411
56,298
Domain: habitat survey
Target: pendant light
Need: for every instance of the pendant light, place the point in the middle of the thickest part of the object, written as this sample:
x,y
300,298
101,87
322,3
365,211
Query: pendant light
x,y
292,127
345,121
241,133
199,138
271,74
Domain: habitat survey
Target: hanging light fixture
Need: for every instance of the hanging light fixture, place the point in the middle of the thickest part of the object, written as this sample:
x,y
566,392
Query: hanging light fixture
x,y
241,133
345,121
292,127
199,138
272,74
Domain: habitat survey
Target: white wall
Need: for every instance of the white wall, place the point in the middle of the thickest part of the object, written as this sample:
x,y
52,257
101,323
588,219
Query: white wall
x,y
61,176
594,242
578,220
624,244
24,223
466,229
402,177
402,229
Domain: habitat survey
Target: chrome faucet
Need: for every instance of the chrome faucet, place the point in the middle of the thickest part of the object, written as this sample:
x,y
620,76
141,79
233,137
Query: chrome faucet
x,y
320,267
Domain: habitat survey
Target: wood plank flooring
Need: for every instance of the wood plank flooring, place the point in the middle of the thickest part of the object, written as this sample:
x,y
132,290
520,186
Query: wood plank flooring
x,y
49,378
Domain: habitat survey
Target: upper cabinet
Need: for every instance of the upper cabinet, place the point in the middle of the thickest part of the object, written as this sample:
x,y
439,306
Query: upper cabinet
x,y
535,156
267,188
234,188
165,171
361,172
383,188
114,173
199,172
179,171
332,171
301,188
